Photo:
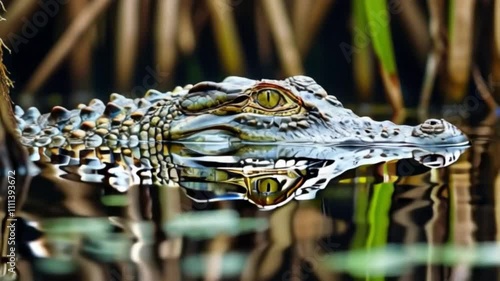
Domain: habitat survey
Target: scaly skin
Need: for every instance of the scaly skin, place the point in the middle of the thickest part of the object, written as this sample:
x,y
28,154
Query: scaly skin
x,y
294,110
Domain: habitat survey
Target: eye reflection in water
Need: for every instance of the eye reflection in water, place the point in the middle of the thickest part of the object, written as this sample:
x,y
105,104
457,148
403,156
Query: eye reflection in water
x,y
198,213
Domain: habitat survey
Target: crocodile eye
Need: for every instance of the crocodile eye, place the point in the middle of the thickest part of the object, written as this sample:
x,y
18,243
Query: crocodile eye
x,y
268,185
269,98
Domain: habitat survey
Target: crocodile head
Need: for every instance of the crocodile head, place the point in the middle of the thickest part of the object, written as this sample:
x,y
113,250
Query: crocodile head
x,y
296,110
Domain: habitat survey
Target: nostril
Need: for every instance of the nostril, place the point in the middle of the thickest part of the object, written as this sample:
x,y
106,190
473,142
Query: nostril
x,y
433,122
432,126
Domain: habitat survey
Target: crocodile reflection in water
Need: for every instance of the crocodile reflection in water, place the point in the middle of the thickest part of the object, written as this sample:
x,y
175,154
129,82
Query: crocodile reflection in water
x,y
133,138
270,176
265,175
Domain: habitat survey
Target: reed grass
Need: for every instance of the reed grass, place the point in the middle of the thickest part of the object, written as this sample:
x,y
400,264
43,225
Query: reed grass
x,y
459,51
363,62
66,43
165,48
227,37
279,22
494,79
435,55
186,35
378,20
126,44
17,11
284,33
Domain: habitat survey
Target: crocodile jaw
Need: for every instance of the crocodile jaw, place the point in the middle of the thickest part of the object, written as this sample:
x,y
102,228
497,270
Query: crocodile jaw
x,y
252,128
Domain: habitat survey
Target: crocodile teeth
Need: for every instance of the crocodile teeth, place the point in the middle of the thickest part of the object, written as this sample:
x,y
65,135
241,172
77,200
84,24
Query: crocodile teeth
x,y
268,123
276,122
188,87
252,122
304,124
283,126
292,124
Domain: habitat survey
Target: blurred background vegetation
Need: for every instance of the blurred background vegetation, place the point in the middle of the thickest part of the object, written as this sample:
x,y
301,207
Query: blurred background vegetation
x,y
403,53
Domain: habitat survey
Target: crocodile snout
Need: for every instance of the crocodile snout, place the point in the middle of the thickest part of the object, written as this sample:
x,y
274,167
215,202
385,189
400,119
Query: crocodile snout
x,y
441,131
